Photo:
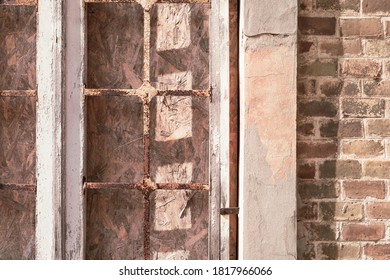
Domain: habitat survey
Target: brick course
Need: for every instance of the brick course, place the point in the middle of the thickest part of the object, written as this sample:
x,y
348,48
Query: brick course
x,y
343,146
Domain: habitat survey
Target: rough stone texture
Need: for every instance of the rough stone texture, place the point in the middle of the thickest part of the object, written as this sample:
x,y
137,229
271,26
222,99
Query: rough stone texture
x,y
340,169
179,225
179,46
114,229
377,88
179,139
335,251
376,6
317,190
115,139
361,68
17,224
378,169
115,45
350,129
17,47
269,154
17,138
262,18
363,108
317,26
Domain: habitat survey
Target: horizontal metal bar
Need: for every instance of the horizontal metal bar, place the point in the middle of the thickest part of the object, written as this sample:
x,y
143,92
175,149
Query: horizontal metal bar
x,y
205,93
24,187
18,93
183,186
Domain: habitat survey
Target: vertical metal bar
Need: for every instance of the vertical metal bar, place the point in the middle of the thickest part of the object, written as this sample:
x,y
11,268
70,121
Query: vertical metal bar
x,y
74,128
49,136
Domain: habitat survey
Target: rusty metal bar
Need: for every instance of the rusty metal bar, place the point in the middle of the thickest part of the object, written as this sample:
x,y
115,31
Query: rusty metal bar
x,y
25,187
205,93
183,187
17,93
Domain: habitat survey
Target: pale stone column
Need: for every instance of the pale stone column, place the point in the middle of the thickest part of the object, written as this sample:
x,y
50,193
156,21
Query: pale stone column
x,y
268,129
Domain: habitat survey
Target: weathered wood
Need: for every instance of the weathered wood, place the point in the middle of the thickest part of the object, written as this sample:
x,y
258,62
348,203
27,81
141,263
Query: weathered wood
x,y
115,45
114,224
179,46
17,208
17,47
179,221
179,139
114,139
75,131
49,227
17,138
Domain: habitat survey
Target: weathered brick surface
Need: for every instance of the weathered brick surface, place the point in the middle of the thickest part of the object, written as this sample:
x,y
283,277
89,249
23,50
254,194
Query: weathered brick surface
x,y
351,128
378,127
340,211
364,189
361,68
362,27
335,251
379,210
363,148
317,26
340,169
378,169
376,6
363,232
378,252
316,150
318,190
344,128
363,108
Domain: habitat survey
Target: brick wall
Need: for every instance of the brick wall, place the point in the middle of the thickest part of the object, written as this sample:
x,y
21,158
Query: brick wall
x,y
343,129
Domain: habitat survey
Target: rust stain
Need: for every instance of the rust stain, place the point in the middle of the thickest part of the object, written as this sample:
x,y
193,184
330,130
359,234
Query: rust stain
x,y
18,2
14,93
17,47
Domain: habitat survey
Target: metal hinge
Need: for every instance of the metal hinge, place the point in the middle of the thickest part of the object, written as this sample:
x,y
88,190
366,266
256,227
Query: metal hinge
x,y
229,211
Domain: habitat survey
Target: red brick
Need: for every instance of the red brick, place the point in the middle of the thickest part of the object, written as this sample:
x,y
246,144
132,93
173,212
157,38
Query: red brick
x,y
351,128
387,28
307,87
378,252
323,67
308,211
378,127
331,47
363,27
316,150
317,25
377,88
363,148
317,108
352,46
305,129
306,171
340,169
318,190
376,6
321,231
379,210
378,169
337,251
331,87
329,128
363,108
364,189
363,232
361,68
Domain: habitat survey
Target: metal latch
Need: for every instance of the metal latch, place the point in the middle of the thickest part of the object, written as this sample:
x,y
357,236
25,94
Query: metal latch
x,y
229,211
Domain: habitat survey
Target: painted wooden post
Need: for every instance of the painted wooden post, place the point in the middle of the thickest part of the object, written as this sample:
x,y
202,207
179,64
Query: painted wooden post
x,y
49,136
219,128
74,127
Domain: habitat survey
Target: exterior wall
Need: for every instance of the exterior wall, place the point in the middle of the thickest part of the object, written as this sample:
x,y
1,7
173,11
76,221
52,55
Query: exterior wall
x,y
267,153
343,128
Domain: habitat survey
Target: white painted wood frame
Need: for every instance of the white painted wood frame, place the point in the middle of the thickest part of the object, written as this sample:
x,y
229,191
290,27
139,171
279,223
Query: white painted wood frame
x,y
219,129
49,135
